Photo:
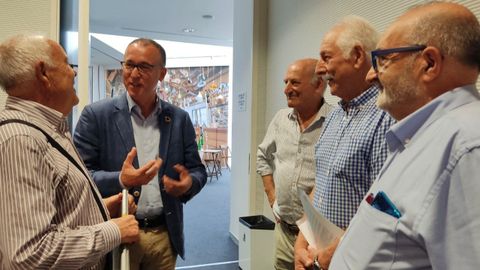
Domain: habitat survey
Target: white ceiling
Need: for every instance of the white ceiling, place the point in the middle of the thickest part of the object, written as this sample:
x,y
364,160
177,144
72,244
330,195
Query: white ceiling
x,y
164,20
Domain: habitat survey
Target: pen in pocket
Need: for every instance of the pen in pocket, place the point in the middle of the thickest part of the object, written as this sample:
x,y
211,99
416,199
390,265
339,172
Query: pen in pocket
x,y
384,204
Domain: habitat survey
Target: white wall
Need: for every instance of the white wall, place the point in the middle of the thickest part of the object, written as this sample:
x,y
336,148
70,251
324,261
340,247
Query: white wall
x,y
24,16
296,28
249,77
242,92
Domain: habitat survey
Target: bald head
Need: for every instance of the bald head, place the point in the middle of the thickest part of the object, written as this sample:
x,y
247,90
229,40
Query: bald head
x,y
303,88
449,56
450,27
307,67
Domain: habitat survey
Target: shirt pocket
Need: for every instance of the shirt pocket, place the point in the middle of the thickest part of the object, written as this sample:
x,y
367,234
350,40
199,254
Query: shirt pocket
x,y
371,241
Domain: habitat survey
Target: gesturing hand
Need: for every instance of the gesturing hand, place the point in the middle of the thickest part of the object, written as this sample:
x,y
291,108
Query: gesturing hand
x,y
132,177
178,187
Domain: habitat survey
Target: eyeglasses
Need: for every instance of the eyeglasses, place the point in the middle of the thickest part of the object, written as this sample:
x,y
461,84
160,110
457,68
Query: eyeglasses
x,y
142,67
75,68
379,56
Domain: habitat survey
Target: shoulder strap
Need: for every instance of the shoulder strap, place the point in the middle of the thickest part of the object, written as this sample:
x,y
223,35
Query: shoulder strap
x,y
66,154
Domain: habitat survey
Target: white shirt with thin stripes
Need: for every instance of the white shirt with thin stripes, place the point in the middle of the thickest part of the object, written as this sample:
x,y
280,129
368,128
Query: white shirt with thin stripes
x,y
48,215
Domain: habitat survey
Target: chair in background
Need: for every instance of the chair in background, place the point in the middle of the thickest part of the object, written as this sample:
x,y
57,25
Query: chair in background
x,y
225,155
212,159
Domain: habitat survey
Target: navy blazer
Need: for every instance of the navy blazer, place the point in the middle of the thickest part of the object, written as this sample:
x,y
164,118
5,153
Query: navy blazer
x,y
104,136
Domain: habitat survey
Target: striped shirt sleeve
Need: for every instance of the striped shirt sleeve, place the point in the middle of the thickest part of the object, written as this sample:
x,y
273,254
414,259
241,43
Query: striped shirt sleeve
x,y
49,217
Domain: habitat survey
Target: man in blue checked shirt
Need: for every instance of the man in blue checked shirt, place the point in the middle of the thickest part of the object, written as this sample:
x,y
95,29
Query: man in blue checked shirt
x,y
351,149
428,63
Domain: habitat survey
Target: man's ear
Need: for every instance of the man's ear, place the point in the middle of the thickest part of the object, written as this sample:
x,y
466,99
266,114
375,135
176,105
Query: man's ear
x,y
162,74
41,73
431,63
358,56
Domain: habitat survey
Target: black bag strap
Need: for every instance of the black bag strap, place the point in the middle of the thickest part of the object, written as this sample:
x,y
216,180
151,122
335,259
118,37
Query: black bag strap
x,y
67,155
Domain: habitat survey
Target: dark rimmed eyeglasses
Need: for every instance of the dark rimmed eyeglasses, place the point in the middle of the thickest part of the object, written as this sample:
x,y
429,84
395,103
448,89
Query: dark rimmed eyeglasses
x,y
142,67
379,56
75,68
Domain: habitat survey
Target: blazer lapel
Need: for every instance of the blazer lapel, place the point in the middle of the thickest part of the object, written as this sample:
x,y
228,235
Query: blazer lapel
x,y
165,123
123,122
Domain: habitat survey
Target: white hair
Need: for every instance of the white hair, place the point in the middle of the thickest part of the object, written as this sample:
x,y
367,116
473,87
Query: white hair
x,y
18,56
356,31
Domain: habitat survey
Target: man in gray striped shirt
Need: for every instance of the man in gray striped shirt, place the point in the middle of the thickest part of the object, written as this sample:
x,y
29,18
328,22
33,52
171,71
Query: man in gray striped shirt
x,y
285,158
52,216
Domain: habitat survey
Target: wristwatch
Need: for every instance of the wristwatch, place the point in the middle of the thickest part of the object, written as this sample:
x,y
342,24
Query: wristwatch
x,y
316,265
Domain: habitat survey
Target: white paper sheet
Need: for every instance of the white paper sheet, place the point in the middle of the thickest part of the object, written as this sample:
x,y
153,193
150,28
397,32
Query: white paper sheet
x,y
304,227
323,231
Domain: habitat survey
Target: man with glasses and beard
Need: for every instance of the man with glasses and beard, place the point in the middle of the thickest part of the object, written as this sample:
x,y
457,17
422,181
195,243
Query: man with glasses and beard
x,y
422,212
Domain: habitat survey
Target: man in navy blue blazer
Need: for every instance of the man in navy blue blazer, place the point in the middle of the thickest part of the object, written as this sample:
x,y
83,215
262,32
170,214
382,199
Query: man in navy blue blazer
x,y
154,143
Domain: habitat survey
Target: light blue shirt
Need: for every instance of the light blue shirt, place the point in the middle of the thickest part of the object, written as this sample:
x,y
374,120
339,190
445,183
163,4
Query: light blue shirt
x,y
349,155
147,141
432,175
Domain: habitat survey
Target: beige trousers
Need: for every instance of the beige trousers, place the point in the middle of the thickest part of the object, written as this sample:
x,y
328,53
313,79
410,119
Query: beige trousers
x,y
153,251
284,242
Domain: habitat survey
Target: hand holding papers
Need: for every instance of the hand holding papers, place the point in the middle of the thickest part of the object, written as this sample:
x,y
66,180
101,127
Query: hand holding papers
x,y
318,230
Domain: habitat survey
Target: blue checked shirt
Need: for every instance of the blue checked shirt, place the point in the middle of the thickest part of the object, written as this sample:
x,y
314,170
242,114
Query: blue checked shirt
x,y
349,155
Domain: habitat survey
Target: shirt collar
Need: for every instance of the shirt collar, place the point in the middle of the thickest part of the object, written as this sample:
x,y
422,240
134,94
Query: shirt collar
x,y
361,100
403,131
322,113
132,106
43,114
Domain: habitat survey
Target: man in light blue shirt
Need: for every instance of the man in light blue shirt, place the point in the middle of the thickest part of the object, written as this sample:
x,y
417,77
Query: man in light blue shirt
x,y
423,210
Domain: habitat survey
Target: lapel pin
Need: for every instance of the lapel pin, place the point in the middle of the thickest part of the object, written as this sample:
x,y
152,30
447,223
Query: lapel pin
x,y
168,119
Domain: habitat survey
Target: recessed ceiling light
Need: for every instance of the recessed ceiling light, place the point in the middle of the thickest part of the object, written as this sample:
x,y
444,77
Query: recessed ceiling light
x,y
188,30
207,16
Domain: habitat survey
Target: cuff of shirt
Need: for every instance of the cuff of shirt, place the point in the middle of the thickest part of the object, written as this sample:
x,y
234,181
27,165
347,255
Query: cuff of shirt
x,y
120,181
111,235
264,171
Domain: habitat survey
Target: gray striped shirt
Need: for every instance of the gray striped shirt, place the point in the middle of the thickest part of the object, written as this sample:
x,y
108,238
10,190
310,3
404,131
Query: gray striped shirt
x,y
48,215
289,155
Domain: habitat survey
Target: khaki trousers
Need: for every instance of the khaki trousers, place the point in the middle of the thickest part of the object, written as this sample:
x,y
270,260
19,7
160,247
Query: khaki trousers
x,y
153,251
284,258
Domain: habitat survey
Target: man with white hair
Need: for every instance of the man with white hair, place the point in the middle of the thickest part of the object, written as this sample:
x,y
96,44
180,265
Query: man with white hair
x,y
352,149
52,215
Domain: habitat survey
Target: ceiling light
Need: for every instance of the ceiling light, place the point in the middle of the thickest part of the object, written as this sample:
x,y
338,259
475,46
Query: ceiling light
x,y
207,16
188,30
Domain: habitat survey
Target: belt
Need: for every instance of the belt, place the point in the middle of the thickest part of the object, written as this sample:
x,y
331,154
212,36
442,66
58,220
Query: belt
x,y
151,222
291,227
